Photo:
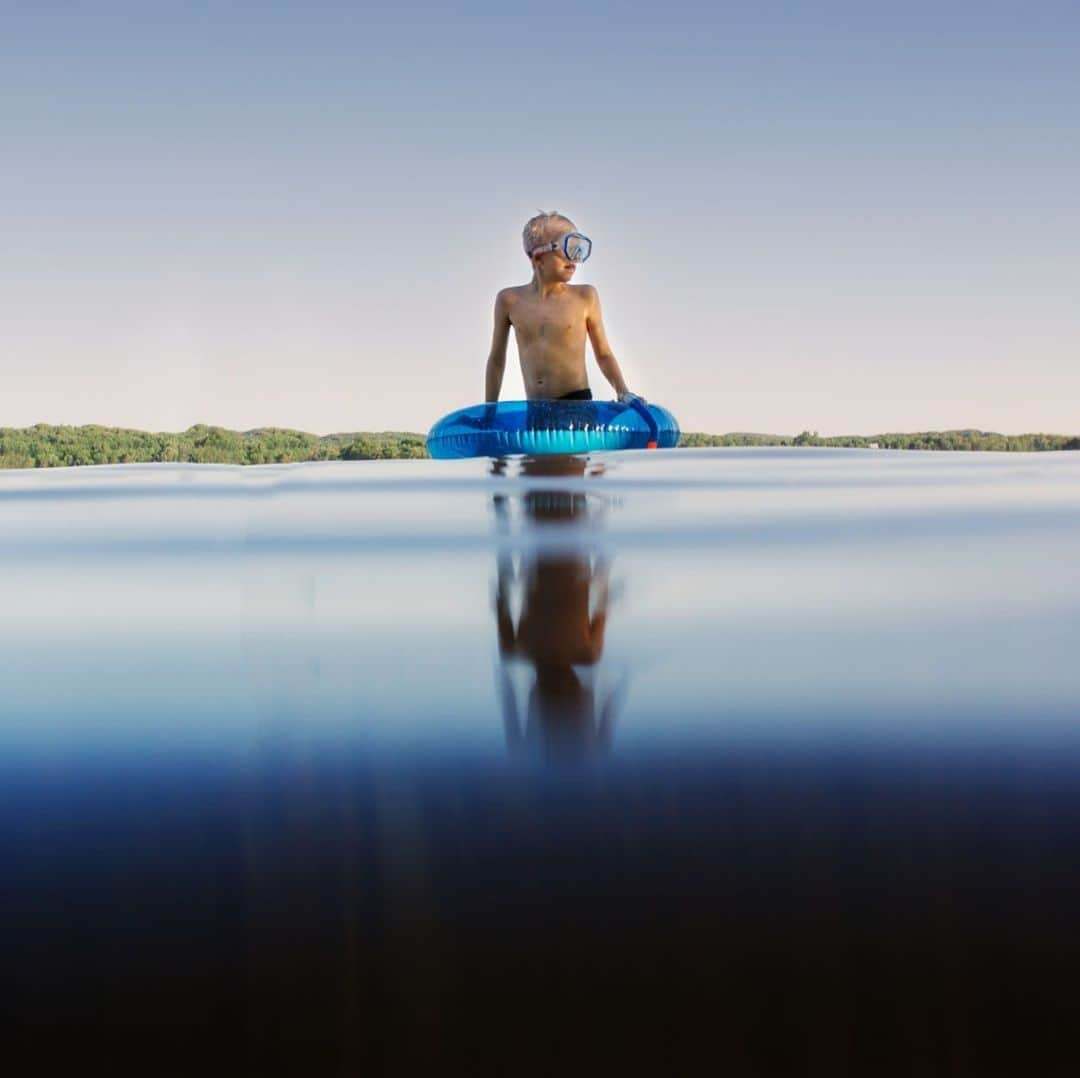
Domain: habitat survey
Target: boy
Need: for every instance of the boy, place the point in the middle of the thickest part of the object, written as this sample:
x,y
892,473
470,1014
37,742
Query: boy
x,y
551,319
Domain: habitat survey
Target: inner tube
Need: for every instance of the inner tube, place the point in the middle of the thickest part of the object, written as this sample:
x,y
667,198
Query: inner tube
x,y
542,427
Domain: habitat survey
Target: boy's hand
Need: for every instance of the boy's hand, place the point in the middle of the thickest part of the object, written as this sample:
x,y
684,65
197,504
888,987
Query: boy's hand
x,y
629,398
484,421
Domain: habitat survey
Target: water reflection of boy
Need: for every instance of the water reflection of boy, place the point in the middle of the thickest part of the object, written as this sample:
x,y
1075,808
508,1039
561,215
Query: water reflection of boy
x,y
561,626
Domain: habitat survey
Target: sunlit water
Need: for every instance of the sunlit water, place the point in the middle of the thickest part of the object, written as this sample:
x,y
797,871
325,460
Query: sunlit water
x,y
322,768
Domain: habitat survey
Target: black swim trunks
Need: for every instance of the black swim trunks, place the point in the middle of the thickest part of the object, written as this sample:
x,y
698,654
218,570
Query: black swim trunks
x,y
577,395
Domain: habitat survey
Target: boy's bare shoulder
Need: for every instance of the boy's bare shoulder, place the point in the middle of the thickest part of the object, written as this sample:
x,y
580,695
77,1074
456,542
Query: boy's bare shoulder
x,y
587,292
511,294
506,299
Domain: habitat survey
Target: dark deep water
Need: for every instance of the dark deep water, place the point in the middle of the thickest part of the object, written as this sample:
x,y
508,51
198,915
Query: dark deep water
x,y
756,761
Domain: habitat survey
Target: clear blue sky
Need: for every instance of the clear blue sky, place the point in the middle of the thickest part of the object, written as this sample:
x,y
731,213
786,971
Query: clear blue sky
x,y
844,217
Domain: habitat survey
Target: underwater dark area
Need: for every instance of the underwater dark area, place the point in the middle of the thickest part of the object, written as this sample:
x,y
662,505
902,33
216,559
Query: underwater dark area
x,y
759,761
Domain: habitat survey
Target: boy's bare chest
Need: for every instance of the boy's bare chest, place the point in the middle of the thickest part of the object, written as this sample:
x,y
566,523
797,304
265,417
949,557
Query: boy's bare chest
x,y
549,320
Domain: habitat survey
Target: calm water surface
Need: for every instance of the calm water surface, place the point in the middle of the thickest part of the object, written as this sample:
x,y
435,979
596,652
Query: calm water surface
x,y
545,765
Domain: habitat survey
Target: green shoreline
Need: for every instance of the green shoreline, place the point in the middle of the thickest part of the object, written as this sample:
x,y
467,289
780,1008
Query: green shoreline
x,y
48,446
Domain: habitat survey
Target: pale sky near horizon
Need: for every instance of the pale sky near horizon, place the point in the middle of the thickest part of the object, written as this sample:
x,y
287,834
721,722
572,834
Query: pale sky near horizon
x,y
851,217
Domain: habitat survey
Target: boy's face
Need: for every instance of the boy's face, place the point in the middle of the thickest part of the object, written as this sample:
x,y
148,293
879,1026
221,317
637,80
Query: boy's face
x,y
554,265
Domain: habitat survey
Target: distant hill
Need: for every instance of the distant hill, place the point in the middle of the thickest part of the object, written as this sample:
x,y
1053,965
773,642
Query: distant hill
x,y
967,439
47,446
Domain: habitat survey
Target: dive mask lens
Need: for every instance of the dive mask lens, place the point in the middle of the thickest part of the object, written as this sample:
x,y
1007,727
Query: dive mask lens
x,y
576,247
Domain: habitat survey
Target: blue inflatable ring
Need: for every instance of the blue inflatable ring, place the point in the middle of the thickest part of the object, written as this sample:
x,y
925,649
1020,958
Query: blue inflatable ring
x,y
541,427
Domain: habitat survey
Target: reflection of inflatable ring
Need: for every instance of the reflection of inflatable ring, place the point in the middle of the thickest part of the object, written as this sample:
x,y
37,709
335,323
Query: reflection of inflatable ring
x,y
537,427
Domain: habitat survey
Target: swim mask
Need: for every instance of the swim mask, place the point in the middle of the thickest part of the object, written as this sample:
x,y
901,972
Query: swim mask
x,y
574,246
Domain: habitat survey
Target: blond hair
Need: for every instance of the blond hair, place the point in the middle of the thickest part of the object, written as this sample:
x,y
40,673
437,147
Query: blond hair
x,y
534,234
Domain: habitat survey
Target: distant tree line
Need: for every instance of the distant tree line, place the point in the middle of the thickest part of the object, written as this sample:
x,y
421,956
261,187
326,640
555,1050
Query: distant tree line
x,y
46,446
935,439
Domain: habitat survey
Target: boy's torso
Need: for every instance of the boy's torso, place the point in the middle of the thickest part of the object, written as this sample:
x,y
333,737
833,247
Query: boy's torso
x,y
555,626
550,333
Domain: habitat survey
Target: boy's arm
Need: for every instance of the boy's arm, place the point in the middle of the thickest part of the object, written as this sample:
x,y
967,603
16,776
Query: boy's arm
x,y
605,358
496,362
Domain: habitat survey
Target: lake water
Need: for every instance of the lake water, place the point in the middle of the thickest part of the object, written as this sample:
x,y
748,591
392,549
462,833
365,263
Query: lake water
x,y
522,766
